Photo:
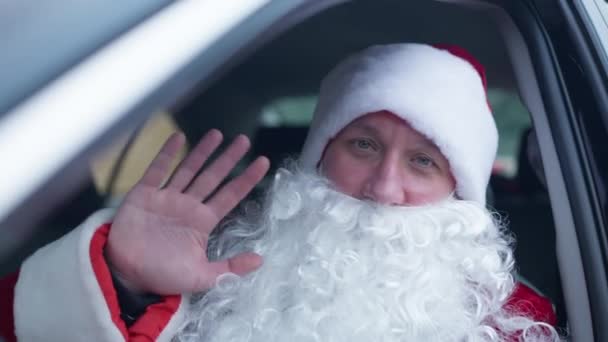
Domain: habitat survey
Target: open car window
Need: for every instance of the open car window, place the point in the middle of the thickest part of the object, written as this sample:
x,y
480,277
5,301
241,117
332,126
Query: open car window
x,y
117,88
268,91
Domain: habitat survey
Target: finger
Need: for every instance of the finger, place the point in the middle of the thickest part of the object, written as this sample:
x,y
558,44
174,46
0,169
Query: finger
x,y
232,193
195,160
159,167
211,177
240,265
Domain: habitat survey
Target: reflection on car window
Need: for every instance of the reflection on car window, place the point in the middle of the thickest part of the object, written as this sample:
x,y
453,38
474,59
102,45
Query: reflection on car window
x,y
603,7
511,117
120,166
597,13
289,111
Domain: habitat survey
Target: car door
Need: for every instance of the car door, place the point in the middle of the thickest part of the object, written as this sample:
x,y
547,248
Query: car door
x,y
566,43
582,46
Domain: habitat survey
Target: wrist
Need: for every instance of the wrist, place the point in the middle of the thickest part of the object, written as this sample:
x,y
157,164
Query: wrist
x,y
132,304
118,277
132,300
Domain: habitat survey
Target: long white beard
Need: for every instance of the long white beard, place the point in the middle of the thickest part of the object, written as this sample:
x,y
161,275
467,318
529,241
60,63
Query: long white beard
x,y
339,269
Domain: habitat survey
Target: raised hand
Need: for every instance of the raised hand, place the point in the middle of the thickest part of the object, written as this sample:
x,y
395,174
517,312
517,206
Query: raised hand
x,y
159,236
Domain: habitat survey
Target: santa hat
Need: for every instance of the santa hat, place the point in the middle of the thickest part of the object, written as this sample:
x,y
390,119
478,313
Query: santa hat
x,y
440,91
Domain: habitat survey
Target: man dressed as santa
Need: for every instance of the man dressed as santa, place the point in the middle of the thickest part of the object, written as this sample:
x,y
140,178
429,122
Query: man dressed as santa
x,y
378,232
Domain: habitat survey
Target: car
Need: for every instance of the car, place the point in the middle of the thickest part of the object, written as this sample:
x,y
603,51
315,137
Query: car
x,y
79,78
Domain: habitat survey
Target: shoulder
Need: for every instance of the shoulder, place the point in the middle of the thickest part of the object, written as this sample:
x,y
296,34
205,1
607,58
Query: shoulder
x,y
526,301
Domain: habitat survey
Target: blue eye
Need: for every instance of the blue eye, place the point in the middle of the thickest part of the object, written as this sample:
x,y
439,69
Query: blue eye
x,y
363,144
423,161
363,147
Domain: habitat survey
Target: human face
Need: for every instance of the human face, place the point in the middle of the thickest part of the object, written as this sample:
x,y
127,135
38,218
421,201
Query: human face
x,y
380,157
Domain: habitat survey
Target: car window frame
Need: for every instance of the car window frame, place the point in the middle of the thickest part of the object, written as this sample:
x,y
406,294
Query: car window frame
x,y
41,40
541,104
64,167
543,90
572,187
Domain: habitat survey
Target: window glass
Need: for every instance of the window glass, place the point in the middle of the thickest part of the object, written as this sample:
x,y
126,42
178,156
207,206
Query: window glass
x,y
597,13
603,7
289,111
117,169
512,120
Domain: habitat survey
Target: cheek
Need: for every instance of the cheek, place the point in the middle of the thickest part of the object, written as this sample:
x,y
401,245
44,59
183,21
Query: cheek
x,y
425,191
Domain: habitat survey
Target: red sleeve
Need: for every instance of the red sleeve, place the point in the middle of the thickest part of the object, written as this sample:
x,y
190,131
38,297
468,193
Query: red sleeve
x,y
150,325
526,301
7,295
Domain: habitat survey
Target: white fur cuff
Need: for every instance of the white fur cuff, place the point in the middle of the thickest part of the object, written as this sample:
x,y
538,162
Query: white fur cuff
x,y
57,297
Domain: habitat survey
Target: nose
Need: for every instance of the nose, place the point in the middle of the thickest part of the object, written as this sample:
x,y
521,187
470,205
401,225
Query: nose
x,y
385,184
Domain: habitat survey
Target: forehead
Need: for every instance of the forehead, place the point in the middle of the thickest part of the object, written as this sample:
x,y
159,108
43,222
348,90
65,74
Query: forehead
x,y
385,124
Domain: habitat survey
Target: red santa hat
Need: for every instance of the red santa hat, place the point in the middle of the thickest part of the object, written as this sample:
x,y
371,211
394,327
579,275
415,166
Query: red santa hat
x,y
439,90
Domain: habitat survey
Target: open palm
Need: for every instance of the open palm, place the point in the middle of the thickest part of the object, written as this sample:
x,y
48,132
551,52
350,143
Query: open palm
x,y
158,240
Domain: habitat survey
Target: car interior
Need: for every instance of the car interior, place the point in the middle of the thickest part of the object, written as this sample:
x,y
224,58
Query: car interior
x,y
270,94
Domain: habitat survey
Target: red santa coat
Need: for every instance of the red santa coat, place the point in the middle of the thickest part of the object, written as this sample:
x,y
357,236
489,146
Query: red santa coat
x,y
64,292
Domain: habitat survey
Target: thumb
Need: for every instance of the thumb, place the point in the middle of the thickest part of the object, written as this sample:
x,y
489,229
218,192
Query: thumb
x,y
244,263
240,265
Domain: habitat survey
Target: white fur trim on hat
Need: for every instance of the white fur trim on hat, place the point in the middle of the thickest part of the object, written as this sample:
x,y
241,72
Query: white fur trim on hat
x,y
439,94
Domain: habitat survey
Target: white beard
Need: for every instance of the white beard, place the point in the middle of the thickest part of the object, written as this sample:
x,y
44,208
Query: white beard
x,y
339,269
